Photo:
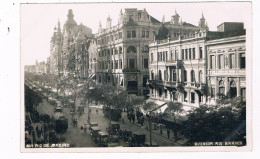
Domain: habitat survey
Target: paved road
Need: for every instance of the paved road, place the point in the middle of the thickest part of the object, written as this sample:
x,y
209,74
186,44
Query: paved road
x,y
73,134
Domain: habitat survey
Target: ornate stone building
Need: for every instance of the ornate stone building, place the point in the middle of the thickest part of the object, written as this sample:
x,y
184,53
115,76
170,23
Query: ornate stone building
x,y
184,69
69,48
123,50
227,62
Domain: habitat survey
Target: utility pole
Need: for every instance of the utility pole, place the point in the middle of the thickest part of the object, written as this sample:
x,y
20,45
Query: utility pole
x,y
150,128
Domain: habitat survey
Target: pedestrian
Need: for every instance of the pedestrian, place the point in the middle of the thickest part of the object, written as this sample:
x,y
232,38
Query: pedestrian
x,y
168,133
85,128
81,128
133,118
76,122
97,111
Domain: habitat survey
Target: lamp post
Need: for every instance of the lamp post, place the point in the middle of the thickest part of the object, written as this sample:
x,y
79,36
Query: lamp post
x,y
87,101
150,129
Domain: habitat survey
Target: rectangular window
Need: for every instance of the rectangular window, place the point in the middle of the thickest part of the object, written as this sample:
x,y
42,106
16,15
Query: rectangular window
x,y
143,33
151,57
242,60
128,34
147,34
160,92
120,64
166,55
145,63
133,34
190,53
175,55
220,61
182,54
194,53
201,52
116,64
116,36
192,97
120,35
163,56
212,62
131,63
186,54
112,66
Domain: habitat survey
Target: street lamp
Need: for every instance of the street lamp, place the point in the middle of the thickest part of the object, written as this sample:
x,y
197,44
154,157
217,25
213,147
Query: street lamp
x,y
90,88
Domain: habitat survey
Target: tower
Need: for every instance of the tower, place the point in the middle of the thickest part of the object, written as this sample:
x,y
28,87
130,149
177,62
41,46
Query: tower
x,y
175,19
202,23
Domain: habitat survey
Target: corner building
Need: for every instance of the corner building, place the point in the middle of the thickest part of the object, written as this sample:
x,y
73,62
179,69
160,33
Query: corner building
x,y
123,50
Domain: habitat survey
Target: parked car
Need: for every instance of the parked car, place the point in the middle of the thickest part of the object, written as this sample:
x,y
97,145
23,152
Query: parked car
x,y
103,138
94,133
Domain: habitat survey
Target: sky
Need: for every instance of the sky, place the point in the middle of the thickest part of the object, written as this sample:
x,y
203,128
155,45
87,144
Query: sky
x,y
38,20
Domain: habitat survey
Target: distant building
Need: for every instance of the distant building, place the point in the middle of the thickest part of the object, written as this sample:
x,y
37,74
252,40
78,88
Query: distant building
x,y
93,56
184,69
68,52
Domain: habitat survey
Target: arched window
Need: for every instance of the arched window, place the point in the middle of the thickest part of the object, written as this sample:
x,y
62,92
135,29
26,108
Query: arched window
x,y
221,87
145,49
200,77
192,76
160,75
174,76
185,75
152,75
120,50
131,49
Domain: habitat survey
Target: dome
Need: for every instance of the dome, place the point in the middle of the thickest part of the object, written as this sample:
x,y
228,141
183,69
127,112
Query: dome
x,y
163,33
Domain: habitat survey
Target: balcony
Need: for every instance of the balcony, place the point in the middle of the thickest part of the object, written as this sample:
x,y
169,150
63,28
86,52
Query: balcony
x,y
130,70
178,63
170,83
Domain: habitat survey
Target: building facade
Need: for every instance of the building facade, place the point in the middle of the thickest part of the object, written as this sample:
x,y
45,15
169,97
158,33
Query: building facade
x,y
123,50
191,71
69,48
226,73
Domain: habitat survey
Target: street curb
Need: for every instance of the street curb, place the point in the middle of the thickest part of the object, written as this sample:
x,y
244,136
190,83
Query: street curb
x,y
155,133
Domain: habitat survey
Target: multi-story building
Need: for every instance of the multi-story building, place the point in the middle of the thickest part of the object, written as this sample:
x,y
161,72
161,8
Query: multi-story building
x,y
226,73
56,51
69,48
93,55
123,50
184,69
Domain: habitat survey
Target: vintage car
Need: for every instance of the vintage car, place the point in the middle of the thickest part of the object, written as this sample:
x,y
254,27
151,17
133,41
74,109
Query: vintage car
x,y
58,109
93,124
113,128
139,139
103,138
94,133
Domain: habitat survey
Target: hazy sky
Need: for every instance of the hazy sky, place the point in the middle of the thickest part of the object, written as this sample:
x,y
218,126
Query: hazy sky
x,y
39,20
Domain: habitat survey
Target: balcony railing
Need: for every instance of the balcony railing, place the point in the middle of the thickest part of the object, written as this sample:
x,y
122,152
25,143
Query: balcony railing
x,y
131,70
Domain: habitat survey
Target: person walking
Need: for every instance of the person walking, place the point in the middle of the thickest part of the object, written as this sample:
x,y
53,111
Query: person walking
x,y
97,111
168,132
85,128
81,128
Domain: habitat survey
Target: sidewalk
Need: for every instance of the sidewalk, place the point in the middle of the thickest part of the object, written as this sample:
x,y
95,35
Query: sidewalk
x,y
103,122
155,130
